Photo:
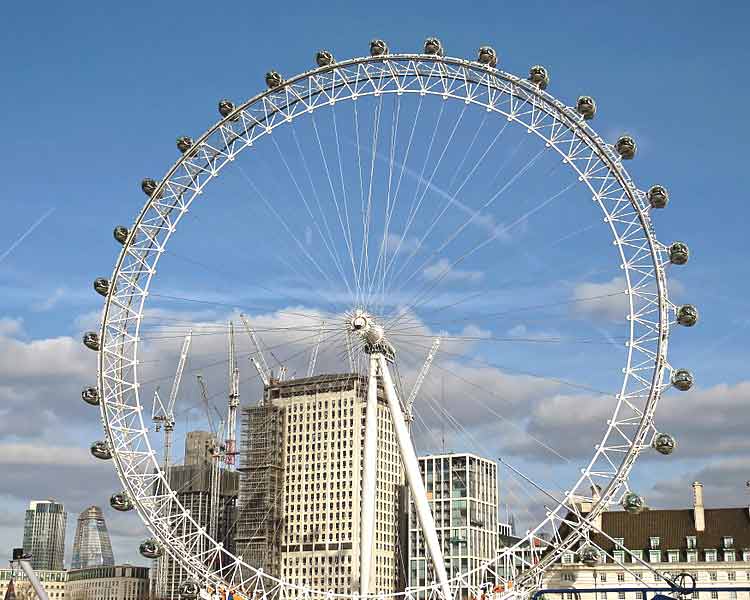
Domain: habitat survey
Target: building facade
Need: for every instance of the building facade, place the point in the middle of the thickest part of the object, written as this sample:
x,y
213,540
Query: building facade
x,y
192,482
463,494
712,544
306,471
91,546
114,582
53,582
44,534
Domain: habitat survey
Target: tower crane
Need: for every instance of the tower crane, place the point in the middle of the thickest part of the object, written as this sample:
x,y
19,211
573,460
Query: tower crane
x,y
163,414
259,363
234,401
314,355
217,453
420,378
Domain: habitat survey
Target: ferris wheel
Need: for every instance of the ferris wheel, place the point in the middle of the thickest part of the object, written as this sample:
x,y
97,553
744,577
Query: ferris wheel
x,y
402,217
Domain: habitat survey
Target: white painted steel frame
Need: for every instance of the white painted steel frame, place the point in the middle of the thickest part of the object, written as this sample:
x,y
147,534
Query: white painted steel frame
x,y
625,210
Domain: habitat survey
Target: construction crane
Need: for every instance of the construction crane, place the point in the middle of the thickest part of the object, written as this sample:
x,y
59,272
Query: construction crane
x,y
217,458
163,414
420,378
314,355
234,401
260,363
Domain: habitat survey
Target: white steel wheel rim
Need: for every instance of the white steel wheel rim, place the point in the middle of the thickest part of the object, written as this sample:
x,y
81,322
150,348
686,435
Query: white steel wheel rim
x,y
598,167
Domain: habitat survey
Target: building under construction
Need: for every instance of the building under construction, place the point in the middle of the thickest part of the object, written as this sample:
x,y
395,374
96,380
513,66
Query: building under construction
x,y
301,480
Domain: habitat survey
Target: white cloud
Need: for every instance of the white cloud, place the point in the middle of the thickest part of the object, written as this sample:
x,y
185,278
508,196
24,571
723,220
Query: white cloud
x,y
443,271
10,326
50,301
606,300
35,454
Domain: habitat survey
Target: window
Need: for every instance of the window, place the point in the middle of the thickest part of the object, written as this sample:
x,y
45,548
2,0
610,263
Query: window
x,y
746,555
729,555
620,542
619,556
710,555
733,595
637,554
654,556
620,595
727,541
653,543
673,556
714,595
692,556
569,577
732,575
691,542
602,595
713,576
602,576
621,577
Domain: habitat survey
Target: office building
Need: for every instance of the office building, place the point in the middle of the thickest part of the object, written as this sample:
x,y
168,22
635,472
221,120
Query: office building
x,y
301,481
91,546
463,494
53,582
44,534
113,582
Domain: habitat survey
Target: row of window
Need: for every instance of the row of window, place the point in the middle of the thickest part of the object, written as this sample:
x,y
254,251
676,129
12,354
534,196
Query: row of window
x,y
672,556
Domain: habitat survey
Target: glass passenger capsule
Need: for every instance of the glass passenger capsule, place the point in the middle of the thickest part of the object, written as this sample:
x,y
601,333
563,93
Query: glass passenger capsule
x,y
633,503
687,315
189,590
625,147
226,108
274,79
100,449
121,501
679,253
184,143
658,196
91,340
121,233
487,56
323,58
586,107
378,48
538,76
90,395
682,379
150,548
588,555
148,186
664,443
101,285
433,46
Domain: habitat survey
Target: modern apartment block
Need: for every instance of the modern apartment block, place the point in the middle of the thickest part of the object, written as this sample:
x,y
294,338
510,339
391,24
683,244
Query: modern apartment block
x,y
301,484
44,534
463,493
91,546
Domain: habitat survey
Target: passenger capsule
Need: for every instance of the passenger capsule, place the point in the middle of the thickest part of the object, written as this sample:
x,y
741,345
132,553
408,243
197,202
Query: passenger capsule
x,y
633,503
91,340
274,79
226,108
184,143
657,195
101,450
487,56
538,76
90,395
433,46
664,443
148,186
687,315
121,234
121,501
189,590
150,548
101,285
625,147
324,58
378,48
588,555
679,253
682,379
586,107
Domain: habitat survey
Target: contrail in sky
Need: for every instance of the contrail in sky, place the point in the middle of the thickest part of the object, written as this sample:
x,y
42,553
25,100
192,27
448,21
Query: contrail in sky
x,y
26,234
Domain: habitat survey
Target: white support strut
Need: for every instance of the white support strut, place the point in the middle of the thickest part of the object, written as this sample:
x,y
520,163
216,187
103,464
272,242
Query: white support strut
x,y
414,478
369,481
420,378
33,579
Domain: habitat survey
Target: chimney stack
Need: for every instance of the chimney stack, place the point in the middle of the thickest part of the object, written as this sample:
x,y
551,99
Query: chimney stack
x,y
699,517
596,492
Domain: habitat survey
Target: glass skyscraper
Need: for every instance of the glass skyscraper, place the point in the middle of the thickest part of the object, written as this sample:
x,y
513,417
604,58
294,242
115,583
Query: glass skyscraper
x,y
44,534
91,547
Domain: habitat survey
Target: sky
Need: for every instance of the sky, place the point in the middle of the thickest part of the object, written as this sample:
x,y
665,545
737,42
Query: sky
x,y
94,95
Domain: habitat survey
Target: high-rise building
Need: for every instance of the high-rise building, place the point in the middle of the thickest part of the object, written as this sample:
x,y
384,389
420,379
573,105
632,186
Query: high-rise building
x,y
44,534
463,495
192,483
301,484
91,546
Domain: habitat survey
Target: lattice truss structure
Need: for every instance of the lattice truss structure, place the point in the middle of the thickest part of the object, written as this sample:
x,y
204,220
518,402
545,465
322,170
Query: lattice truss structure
x,y
598,165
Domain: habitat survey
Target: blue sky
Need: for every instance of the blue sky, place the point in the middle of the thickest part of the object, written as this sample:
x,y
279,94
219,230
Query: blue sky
x,y
94,97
